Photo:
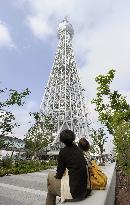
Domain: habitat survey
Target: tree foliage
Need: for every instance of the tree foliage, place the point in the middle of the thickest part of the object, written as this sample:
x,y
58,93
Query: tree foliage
x,y
114,112
111,105
98,140
6,117
39,135
122,141
10,98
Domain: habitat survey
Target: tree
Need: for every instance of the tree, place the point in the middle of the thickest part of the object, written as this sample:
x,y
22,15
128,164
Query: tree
x,y
122,141
98,140
40,135
114,112
6,117
110,105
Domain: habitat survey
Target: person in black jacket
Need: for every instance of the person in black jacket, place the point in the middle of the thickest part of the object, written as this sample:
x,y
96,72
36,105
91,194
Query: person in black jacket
x,y
84,145
72,159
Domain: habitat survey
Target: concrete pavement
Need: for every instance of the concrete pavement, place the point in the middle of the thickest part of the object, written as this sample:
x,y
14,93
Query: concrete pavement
x,y
24,189
31,189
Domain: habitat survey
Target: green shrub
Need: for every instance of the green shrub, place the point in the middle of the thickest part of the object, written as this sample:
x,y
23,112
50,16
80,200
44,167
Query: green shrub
x,y
26,166
1,162
3,172
52,162
7,163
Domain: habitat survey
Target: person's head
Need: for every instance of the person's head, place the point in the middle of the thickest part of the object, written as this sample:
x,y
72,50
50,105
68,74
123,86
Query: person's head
x,y
67,137
84,144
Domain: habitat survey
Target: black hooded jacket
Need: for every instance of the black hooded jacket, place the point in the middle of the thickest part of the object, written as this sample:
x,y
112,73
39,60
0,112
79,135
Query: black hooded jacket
x,y
72,158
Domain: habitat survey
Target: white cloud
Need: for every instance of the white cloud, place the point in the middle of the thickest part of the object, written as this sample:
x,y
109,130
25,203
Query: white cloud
x,y
44,14
39,27
109,47
101,41
5,37
41,20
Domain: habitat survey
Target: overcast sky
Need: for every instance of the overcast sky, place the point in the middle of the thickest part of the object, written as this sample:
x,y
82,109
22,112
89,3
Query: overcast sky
x,y
28,42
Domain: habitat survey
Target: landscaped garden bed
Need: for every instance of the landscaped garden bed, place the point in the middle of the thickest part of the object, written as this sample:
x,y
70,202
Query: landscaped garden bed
x,y
122,195
8,166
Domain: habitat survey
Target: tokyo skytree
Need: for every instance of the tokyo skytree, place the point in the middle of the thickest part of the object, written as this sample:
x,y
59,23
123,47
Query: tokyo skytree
x,y
63,99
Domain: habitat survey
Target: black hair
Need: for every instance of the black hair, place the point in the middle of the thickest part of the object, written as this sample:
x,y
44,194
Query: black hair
x,y
67,137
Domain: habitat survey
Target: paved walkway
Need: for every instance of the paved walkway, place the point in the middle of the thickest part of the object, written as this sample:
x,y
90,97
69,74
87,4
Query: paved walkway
x,y
24,189
31,189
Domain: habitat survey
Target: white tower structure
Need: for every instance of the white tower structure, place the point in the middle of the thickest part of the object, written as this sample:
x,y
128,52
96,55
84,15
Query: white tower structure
x,y
63,100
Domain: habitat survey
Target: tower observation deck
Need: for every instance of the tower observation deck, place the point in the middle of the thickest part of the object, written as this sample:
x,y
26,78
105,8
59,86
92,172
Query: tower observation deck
x,y
63,99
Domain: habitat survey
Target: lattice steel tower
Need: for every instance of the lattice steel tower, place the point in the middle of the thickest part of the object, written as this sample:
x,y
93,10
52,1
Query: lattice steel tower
x,y
63,100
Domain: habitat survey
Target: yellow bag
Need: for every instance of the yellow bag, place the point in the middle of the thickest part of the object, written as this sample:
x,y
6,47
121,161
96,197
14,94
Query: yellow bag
x,y
98,179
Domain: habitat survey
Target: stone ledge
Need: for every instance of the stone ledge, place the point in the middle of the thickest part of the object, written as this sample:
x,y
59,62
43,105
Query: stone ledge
x,y
102,197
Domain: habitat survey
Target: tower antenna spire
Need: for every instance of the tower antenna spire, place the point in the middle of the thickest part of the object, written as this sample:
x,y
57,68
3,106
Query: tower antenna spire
x,y
66,18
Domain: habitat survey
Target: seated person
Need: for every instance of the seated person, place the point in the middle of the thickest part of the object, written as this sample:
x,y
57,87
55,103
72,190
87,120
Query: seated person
x,y
72,159
97,180
85,146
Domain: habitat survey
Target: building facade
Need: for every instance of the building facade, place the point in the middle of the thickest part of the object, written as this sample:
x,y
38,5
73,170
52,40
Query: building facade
x,y
12,146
